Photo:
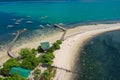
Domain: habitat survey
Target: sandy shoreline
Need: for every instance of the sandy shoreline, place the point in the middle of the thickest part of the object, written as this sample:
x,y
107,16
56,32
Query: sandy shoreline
x,y
66,56
75,38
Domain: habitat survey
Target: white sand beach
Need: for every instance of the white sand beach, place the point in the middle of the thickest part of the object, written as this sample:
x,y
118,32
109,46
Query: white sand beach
x,y
74,39
65,57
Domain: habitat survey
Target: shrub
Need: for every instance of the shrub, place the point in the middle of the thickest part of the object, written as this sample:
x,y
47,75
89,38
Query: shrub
x,y
59,41
48,63
51,50
37,73
34,52
14,77
25,52
56,46
46,59
30,62
48,73
8,65
39,49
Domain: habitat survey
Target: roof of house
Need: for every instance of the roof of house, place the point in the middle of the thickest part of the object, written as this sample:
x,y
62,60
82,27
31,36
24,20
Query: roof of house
x,y
45,45
23,72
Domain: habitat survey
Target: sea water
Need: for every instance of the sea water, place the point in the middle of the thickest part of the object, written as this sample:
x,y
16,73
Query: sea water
x,y
49,13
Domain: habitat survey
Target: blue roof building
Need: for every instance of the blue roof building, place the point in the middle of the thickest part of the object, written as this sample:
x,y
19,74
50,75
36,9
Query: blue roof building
x,y
20,71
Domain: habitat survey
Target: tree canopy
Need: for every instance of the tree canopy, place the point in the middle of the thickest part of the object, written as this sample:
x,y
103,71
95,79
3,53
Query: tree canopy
x,y
30,62
8,65
25,52
14,77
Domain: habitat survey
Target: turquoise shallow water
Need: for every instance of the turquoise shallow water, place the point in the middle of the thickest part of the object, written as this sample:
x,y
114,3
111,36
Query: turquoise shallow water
x,y
65,12
43,13
100,58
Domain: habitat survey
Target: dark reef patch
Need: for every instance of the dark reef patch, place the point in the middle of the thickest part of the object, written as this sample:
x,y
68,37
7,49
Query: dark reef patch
x,y
100,58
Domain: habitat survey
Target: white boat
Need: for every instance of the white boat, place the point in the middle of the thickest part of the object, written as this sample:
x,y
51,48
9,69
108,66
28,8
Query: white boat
x,y
41,26
48,25
19,20
25,29
29,22
28,16
10,26
13,33
42,17
17,23
13,19
61,24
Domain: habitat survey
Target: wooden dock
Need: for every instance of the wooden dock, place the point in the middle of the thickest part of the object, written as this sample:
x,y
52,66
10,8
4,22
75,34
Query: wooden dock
x,y
9,51
70,71
63,29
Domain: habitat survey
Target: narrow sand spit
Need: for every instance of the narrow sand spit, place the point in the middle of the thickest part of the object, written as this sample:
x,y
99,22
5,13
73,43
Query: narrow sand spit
x,y
65,57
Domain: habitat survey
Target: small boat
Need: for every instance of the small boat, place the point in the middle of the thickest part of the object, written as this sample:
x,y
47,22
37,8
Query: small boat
x,y
14,19
10,26
13,33
19,20
29,22
41,26
42,17
28,16
25,29
48,25
45,16
61,24
17,23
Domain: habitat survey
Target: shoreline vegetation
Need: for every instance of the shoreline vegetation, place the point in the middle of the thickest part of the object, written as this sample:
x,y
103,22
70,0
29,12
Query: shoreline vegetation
x,y
66,56
31,60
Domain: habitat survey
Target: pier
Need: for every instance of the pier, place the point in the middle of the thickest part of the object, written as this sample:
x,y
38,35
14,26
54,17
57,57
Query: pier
x,y
70,71
60,27
63,29
9,50
10,54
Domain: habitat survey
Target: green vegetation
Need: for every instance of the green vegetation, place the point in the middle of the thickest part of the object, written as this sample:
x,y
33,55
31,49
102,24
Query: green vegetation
x,y
39,49
37,74
51,50
25,52
56,45
14,77
59,41
48,73
37,71
1,78
34,51
46,59
28,60
7,65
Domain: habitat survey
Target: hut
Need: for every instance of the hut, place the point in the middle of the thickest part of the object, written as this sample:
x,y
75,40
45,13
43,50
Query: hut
x,y
45,45
18,70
